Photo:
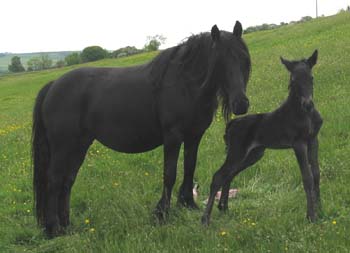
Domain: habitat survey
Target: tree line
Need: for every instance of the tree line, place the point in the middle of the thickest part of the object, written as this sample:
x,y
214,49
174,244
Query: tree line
x,y
89,54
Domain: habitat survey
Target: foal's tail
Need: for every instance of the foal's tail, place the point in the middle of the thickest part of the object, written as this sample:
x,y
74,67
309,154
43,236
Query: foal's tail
x,y
40,156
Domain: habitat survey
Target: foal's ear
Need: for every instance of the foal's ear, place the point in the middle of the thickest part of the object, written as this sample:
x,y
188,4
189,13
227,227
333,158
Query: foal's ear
x,y
313,59
288,64
215,33
238,30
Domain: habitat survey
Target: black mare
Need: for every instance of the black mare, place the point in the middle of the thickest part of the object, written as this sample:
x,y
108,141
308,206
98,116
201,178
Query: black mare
x,y
169,101
295,124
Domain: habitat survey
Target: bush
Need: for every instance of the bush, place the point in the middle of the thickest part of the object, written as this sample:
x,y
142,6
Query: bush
x,y
125,51
93,53
60,64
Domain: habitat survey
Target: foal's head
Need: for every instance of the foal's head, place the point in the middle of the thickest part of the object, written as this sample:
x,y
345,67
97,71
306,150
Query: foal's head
x,y
231,65
301,80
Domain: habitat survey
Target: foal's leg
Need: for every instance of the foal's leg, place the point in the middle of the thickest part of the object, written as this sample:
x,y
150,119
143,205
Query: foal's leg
x,y
313,159
190,158
301,153
218,180
254,156
172,144
76,157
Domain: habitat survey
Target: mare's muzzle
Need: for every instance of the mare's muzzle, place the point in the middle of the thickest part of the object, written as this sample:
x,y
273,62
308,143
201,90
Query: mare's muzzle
x,y
307,104
240,106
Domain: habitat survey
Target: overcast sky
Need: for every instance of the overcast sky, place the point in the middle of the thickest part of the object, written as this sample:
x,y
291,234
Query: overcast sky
x,y
51,25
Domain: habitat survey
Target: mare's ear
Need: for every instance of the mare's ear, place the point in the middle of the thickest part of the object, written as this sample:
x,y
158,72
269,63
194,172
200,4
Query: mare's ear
x,y
313,59
238,30
215,33
288,64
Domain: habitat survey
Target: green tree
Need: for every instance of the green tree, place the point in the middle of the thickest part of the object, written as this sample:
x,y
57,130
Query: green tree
x,y
34,64
16,65
72,59
39,63
46,62
93,53
153,43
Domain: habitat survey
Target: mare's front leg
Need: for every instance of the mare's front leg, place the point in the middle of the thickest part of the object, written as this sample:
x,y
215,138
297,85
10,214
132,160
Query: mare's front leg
x,y
172,144
315,169
301,152
190,158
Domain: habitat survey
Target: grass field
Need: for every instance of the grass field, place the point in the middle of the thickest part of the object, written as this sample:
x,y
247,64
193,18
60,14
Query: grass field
x,y
115,193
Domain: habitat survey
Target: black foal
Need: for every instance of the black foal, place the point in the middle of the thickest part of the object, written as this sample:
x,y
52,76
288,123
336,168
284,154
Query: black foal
x,y
295,124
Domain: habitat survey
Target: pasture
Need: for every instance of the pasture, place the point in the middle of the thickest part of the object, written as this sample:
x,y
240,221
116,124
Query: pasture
x,y
115,194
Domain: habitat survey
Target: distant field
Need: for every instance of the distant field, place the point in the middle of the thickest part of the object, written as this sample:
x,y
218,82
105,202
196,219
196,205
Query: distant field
x,y
115,193
6,60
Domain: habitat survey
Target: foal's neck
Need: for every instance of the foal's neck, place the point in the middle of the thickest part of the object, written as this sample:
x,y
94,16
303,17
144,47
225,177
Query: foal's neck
x,y
293,103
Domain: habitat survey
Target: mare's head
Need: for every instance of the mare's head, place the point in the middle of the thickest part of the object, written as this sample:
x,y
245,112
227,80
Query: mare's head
x,y
230,69
301,80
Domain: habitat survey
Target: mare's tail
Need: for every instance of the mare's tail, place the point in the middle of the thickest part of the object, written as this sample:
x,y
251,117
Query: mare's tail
x,y
40,156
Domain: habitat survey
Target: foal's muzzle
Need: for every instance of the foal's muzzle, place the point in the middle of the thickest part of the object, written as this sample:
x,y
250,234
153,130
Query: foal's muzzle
x,y
307,104
241,106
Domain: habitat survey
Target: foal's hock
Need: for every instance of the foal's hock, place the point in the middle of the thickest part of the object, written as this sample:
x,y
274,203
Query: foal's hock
x,y
295,124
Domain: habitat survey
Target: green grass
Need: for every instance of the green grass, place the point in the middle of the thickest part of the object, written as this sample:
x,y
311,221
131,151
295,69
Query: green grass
x,y
117,192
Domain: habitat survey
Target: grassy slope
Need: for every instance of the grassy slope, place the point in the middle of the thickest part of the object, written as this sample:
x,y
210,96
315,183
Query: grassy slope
x,y
117,192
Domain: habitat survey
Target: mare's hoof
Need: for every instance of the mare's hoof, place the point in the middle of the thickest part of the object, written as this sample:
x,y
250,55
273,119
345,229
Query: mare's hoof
x,y
160,215
53,231
312,218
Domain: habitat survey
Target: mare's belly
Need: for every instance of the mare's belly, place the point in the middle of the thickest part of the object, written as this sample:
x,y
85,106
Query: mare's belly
x,y
129,140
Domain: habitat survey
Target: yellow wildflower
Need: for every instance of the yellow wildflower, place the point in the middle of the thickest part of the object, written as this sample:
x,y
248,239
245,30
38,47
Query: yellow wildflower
x,y
223,233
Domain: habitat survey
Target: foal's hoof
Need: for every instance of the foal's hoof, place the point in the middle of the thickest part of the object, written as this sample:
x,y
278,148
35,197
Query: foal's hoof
x,y
223,208
188,203
205,220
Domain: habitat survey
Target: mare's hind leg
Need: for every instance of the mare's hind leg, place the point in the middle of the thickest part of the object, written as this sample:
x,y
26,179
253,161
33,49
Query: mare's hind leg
x,y
55,174
185,197
76,157
301,153
313,160
254,156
